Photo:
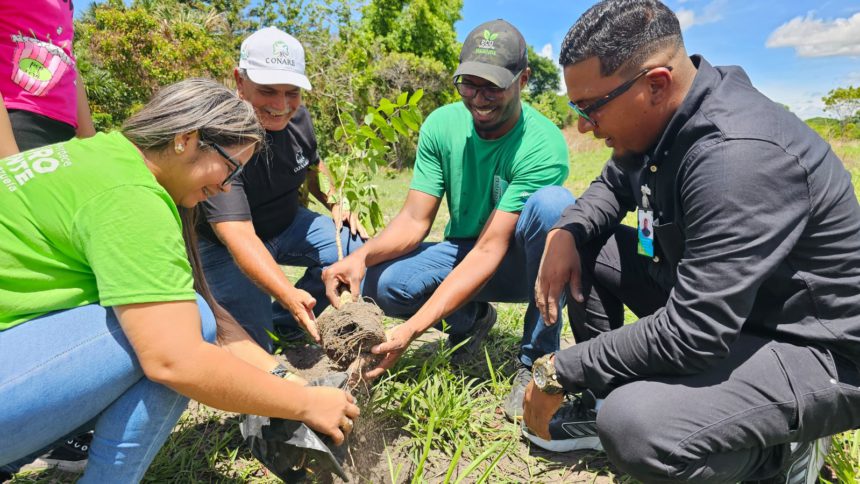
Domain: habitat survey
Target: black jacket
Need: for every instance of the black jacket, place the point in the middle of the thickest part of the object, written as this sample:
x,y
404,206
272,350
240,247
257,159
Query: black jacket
x,y
757,230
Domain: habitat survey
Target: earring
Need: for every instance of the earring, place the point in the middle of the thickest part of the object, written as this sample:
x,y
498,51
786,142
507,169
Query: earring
x,y
180,148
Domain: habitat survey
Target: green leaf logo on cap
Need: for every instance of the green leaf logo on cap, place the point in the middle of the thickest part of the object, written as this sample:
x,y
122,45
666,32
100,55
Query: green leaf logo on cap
x,y
486,46
280,49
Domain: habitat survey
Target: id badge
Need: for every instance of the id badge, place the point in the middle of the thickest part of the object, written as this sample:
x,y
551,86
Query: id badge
x,y
646,233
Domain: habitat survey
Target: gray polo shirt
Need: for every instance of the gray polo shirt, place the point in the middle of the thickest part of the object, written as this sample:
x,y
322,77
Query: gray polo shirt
x,y
757,229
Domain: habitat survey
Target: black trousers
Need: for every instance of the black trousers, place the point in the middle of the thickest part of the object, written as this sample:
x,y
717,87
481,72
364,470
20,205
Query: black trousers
x,y
730,423
33,130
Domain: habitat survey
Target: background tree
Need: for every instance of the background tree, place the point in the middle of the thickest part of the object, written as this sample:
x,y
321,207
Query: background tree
x,y
844,102
126,53
545,74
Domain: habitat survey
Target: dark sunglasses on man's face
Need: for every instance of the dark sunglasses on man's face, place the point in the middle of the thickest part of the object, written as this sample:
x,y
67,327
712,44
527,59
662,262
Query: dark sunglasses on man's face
x,y
237,167
585,112
489,91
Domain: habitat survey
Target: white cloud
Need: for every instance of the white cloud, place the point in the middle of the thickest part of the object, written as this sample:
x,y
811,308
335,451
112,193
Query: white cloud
x,y
812,37
686,17
711,13
546,51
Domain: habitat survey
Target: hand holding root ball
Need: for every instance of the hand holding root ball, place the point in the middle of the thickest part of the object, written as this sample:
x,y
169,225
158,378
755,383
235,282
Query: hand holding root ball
x,y
349,332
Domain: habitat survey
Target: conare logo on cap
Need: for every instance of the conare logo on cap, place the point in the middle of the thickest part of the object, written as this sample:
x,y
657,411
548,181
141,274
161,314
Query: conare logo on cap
x,y
280,55
487,45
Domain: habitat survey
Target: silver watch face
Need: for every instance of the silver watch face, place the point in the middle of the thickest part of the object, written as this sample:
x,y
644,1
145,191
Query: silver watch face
x,y
540,377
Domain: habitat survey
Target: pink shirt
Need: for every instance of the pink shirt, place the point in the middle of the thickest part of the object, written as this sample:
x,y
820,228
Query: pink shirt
x,y
37,69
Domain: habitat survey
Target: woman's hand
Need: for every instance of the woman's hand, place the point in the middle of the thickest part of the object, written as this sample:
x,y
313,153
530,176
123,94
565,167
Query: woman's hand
x,y
330,411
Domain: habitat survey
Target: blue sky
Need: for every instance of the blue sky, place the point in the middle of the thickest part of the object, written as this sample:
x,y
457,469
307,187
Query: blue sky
x,y
794,51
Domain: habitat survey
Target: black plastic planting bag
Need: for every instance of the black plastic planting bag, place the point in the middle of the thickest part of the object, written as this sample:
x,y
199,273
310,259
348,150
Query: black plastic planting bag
x,y
290,449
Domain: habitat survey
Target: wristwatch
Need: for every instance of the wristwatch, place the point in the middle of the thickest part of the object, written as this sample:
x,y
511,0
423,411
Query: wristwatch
x,y
543,372
281,371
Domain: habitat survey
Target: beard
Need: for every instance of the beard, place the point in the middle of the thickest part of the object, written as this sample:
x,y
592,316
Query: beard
x,y
629,161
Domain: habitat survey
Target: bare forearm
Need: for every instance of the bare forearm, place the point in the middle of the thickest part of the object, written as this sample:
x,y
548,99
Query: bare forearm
x,y
219,379
459,287
400,237
85,127
8,146
167,341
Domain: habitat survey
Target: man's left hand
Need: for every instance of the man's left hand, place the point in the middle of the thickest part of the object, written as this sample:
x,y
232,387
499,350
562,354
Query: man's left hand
x,y
398,339
538,409
349,219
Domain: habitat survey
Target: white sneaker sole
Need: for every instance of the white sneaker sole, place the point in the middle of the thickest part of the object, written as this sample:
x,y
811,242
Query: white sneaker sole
x,y
63,465
567,445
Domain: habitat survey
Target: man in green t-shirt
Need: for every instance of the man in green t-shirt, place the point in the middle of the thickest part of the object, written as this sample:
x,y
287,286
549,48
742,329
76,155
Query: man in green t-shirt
x,y
499,164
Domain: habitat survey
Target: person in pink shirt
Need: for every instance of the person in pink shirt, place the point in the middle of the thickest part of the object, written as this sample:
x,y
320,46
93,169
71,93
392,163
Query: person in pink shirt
x,y
43,98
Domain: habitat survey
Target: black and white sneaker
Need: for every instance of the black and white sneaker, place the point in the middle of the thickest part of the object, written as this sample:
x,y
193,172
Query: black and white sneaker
x,y
69,457
465,350
805,463
573,427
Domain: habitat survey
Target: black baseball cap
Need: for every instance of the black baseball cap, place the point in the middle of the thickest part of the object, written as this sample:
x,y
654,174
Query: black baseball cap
x,y
495,51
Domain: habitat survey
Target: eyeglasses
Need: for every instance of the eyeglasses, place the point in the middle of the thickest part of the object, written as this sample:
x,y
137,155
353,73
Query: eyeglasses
x,y
237,167
585,112
489,91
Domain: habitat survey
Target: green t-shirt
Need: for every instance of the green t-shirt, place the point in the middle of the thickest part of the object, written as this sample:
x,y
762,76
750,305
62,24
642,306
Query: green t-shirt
x,y
478,176
86,222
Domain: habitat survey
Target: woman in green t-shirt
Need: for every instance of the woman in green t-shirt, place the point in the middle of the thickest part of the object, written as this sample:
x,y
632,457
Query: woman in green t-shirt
x,y
100,323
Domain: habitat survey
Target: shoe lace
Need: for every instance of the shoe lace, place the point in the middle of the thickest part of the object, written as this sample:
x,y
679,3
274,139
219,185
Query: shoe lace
x,y
579,406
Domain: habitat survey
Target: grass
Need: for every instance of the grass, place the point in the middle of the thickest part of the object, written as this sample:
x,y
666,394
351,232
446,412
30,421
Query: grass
x,y
429,421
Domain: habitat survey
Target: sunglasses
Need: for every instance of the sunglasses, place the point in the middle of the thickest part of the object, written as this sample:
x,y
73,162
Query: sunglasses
x,y
489,91
586,112
237,167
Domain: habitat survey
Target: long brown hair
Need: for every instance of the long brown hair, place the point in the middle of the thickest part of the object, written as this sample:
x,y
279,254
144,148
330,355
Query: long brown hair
x,y
189,233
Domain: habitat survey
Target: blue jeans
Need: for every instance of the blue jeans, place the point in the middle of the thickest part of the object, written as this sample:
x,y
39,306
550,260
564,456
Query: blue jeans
x,y
401,286
308,242
74,370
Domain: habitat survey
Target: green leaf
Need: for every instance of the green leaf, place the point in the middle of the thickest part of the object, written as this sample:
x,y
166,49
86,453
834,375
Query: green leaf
x,y
379,146
376,218
386,106
493,37
416,97
487,34
410,120
368,118
367,131
417,114
325,186
388,133
338,133
397,124
401,99
379,121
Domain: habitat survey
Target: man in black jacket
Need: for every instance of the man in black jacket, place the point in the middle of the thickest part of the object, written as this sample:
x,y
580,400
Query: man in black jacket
x,y
746,354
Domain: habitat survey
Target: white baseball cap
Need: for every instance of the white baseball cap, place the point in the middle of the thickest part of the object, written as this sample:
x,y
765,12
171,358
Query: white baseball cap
x,y
271,56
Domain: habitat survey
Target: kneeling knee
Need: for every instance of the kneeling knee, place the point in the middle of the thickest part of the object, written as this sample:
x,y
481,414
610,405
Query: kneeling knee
x,y
631,436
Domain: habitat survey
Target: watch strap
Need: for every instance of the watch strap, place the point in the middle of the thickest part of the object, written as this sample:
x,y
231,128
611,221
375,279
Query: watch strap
x,y
281,371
